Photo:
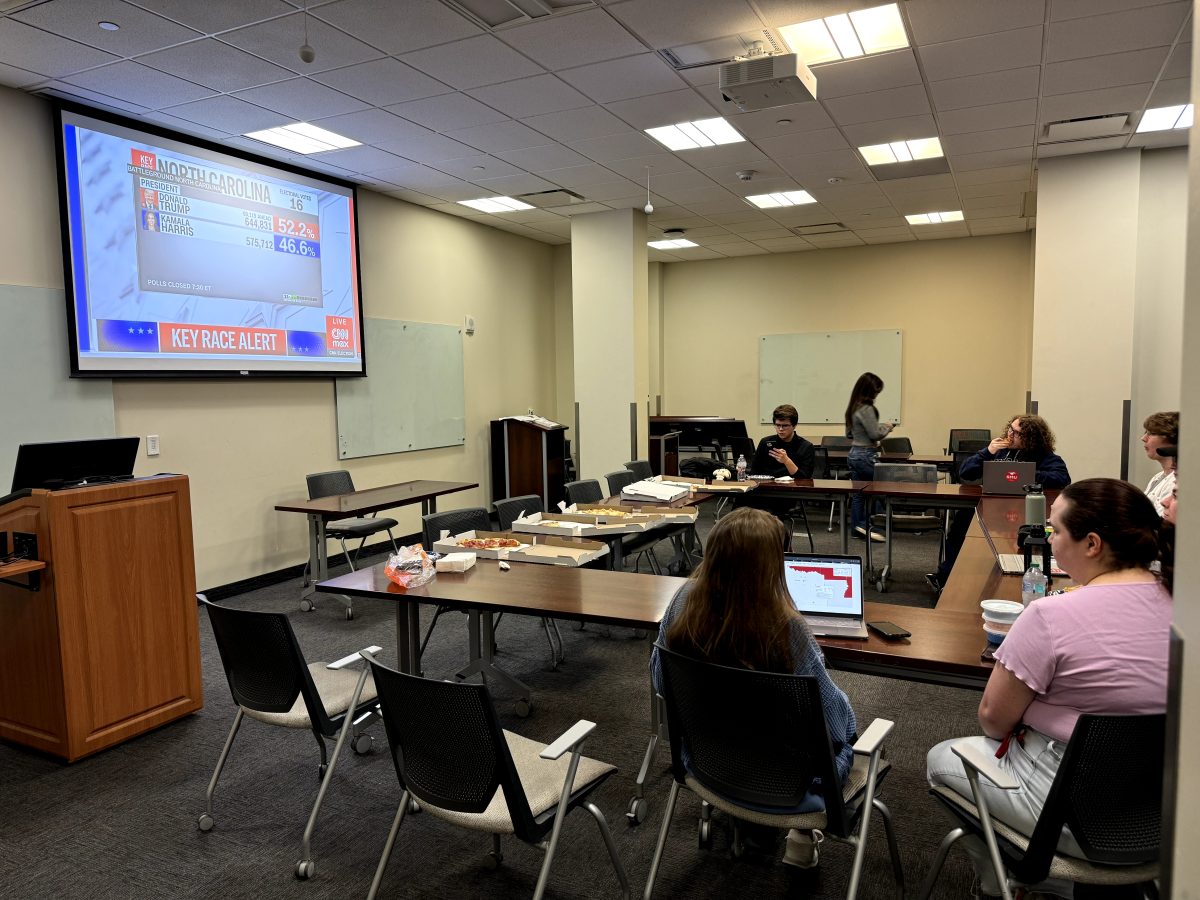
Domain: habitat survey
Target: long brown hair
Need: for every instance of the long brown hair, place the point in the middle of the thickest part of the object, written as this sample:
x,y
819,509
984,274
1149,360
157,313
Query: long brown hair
x,y
738,610
864,392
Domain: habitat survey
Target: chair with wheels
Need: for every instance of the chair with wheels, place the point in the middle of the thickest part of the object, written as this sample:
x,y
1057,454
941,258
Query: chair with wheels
x,y
618,481
455,521
508,511
754,743
640,468
959,435
330,484
452,756
271,682
1108,790
896,445
966,449
587,490
906,518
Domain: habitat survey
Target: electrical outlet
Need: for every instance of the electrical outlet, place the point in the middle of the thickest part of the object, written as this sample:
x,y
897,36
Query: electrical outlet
x,y
152,445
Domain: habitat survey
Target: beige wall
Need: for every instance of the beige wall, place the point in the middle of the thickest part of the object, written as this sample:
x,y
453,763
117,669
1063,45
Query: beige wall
x,y
247,445
964,306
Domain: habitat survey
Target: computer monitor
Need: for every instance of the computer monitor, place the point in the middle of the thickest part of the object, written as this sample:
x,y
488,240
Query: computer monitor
x,y
59,464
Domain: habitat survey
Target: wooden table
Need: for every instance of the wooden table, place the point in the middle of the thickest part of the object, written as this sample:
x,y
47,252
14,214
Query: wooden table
x,y
360,503
683,537
941,460
936,496
835,490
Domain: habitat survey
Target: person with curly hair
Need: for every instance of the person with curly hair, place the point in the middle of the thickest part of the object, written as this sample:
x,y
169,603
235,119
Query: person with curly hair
x,y
1161,429
1026,438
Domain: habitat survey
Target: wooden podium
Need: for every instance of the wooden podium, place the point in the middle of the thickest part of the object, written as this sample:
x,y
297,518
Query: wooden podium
x,y
528,458
107,646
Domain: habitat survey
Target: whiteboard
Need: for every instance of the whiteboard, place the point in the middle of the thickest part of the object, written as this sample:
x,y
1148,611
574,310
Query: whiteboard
x,y
816,371
413,397
39,401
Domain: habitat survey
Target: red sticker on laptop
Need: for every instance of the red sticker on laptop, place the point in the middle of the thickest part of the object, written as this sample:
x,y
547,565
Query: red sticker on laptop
x,y
1010,476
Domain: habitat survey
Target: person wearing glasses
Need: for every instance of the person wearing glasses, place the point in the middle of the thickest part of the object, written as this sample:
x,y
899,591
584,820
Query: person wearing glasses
x,y
784,452
1026,439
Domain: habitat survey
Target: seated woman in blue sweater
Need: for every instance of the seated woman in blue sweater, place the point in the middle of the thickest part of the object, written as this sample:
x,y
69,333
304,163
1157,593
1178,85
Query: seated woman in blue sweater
x,y
735,610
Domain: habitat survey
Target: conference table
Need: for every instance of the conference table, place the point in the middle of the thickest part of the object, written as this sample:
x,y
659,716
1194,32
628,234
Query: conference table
x,y
360,503
918,494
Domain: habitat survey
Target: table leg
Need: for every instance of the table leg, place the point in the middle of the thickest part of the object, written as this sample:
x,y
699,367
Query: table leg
x,y
887,524
428,505
844,522
408,630
616,553
480,640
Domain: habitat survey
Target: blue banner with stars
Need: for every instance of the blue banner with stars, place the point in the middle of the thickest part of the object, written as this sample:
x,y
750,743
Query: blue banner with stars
x,y
127,336
306,343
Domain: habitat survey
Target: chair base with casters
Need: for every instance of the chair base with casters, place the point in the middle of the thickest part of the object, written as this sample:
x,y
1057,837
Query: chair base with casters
x,y
329,700
639,806
510,786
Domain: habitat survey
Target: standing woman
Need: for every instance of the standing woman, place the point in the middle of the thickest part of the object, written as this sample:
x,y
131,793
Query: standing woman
x,y
1161,430
865,431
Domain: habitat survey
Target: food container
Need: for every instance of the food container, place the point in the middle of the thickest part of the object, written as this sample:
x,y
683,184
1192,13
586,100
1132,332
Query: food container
x,y
993,637
1001,610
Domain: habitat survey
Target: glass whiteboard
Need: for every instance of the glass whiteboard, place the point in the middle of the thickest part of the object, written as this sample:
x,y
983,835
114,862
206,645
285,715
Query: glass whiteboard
x,y
816,371
413,397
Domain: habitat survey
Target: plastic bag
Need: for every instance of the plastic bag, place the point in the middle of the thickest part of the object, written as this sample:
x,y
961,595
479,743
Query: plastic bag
x,y
411,567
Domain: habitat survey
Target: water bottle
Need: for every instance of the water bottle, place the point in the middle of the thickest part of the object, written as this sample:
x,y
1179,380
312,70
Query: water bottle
x,y
1033,584
1035,505
741,468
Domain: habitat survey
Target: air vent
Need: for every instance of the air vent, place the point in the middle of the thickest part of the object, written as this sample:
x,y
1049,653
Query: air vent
x,y
761,42
551,199
495,13
1085,128
823,228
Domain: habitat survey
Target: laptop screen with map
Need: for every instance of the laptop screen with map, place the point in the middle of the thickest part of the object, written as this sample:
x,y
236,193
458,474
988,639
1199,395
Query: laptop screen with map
x,y
828,590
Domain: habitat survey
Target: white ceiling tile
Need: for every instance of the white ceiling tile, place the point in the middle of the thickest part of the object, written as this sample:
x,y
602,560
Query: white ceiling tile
x,y
1155,26
1098,72
982,90
709,74
850,196
888,130
670,23
177,124
473,168
984,118
677,182
662,109
425,146
999,173
36,51
833,241
447,112
885,104
215,65
802,143
992,207
1179,65
91,98
888,239
302,99
629,145
659,164
783,244
985,53
927,201
455,191
574,39
983,141
743,249
618,190
578,177
473,62
687,253
1070,148
370,126
410,196
790,119
140,31
736,219
420,178
901,187
994,189
229,114
512,185
1171,92
1127,99
18,78
866,74
499,136
583,209
947,20
213,16
360,159
398,27
997,226
382,82
621,79
768,179
534,96
139,84
740,155
941,232
990,159
891,231
843,164
279,39
577,124
1076,9
547,156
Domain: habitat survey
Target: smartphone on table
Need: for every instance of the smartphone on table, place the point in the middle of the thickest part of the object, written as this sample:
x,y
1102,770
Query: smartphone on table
x,y
889,630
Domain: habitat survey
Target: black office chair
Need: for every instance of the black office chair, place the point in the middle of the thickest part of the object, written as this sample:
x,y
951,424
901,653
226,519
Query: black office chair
x,y
508,511
896,445
331,484
1108,789
587,490
619,480
959,435
640,468
755,742
451,754
271,682
966,449
455,521
907,518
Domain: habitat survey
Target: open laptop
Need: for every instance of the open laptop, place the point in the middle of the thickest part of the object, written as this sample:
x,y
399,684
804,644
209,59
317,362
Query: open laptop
x,y
828,591
1007,476
1014,563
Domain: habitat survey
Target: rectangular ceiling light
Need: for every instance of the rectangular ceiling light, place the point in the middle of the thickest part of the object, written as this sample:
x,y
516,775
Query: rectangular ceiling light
x,y
935,218
496,204
301,137
901,151
781,198
1164,118
691,135
676,244
865,31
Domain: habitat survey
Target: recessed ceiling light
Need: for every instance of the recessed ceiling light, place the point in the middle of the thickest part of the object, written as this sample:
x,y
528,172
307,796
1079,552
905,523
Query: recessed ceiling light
x,y
781,198
901,151
865,31
676,244
496,204
301,137
1164,118
935,218
109,26
691,135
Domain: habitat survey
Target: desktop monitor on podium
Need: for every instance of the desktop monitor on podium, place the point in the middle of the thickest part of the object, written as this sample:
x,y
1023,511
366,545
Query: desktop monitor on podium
x,y
59,464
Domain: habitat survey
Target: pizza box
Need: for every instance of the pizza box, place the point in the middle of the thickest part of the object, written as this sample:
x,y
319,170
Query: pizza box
x,y
613,515
450,544
675,515
557,551
577,525
650,491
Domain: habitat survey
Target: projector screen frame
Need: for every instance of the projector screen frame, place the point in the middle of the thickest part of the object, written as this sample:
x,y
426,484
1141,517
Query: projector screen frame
x,y
229,371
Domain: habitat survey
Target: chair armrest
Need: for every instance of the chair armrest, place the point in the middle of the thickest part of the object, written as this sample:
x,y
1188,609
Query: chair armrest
x,y
352,658
871,739
985,764
569,740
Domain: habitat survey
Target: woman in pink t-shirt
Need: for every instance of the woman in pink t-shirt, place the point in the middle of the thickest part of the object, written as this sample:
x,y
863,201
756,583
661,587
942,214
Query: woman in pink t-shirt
x,y
1101,648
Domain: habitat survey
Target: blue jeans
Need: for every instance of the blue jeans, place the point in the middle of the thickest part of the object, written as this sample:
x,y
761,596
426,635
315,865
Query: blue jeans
x,y
861,461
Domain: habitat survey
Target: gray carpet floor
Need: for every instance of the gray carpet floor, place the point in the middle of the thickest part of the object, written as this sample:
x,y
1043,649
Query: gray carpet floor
x,y
123,823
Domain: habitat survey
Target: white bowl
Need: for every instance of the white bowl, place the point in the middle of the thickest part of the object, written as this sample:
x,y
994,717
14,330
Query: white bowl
x,y
1001,610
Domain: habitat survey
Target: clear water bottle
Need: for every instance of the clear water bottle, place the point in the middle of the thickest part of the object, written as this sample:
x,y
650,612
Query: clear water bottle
x,y
1033,584
741,468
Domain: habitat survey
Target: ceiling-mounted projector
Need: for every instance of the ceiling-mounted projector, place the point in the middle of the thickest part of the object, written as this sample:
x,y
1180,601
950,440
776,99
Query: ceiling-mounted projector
x,y
761,82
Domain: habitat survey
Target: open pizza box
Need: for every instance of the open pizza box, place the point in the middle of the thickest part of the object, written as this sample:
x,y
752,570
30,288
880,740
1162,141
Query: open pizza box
x,y
558,551
607,514
673,515
448,543
699,484
579,525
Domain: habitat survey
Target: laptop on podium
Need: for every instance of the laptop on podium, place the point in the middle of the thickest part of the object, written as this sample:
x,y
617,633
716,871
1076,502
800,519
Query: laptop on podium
x,y
828,590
